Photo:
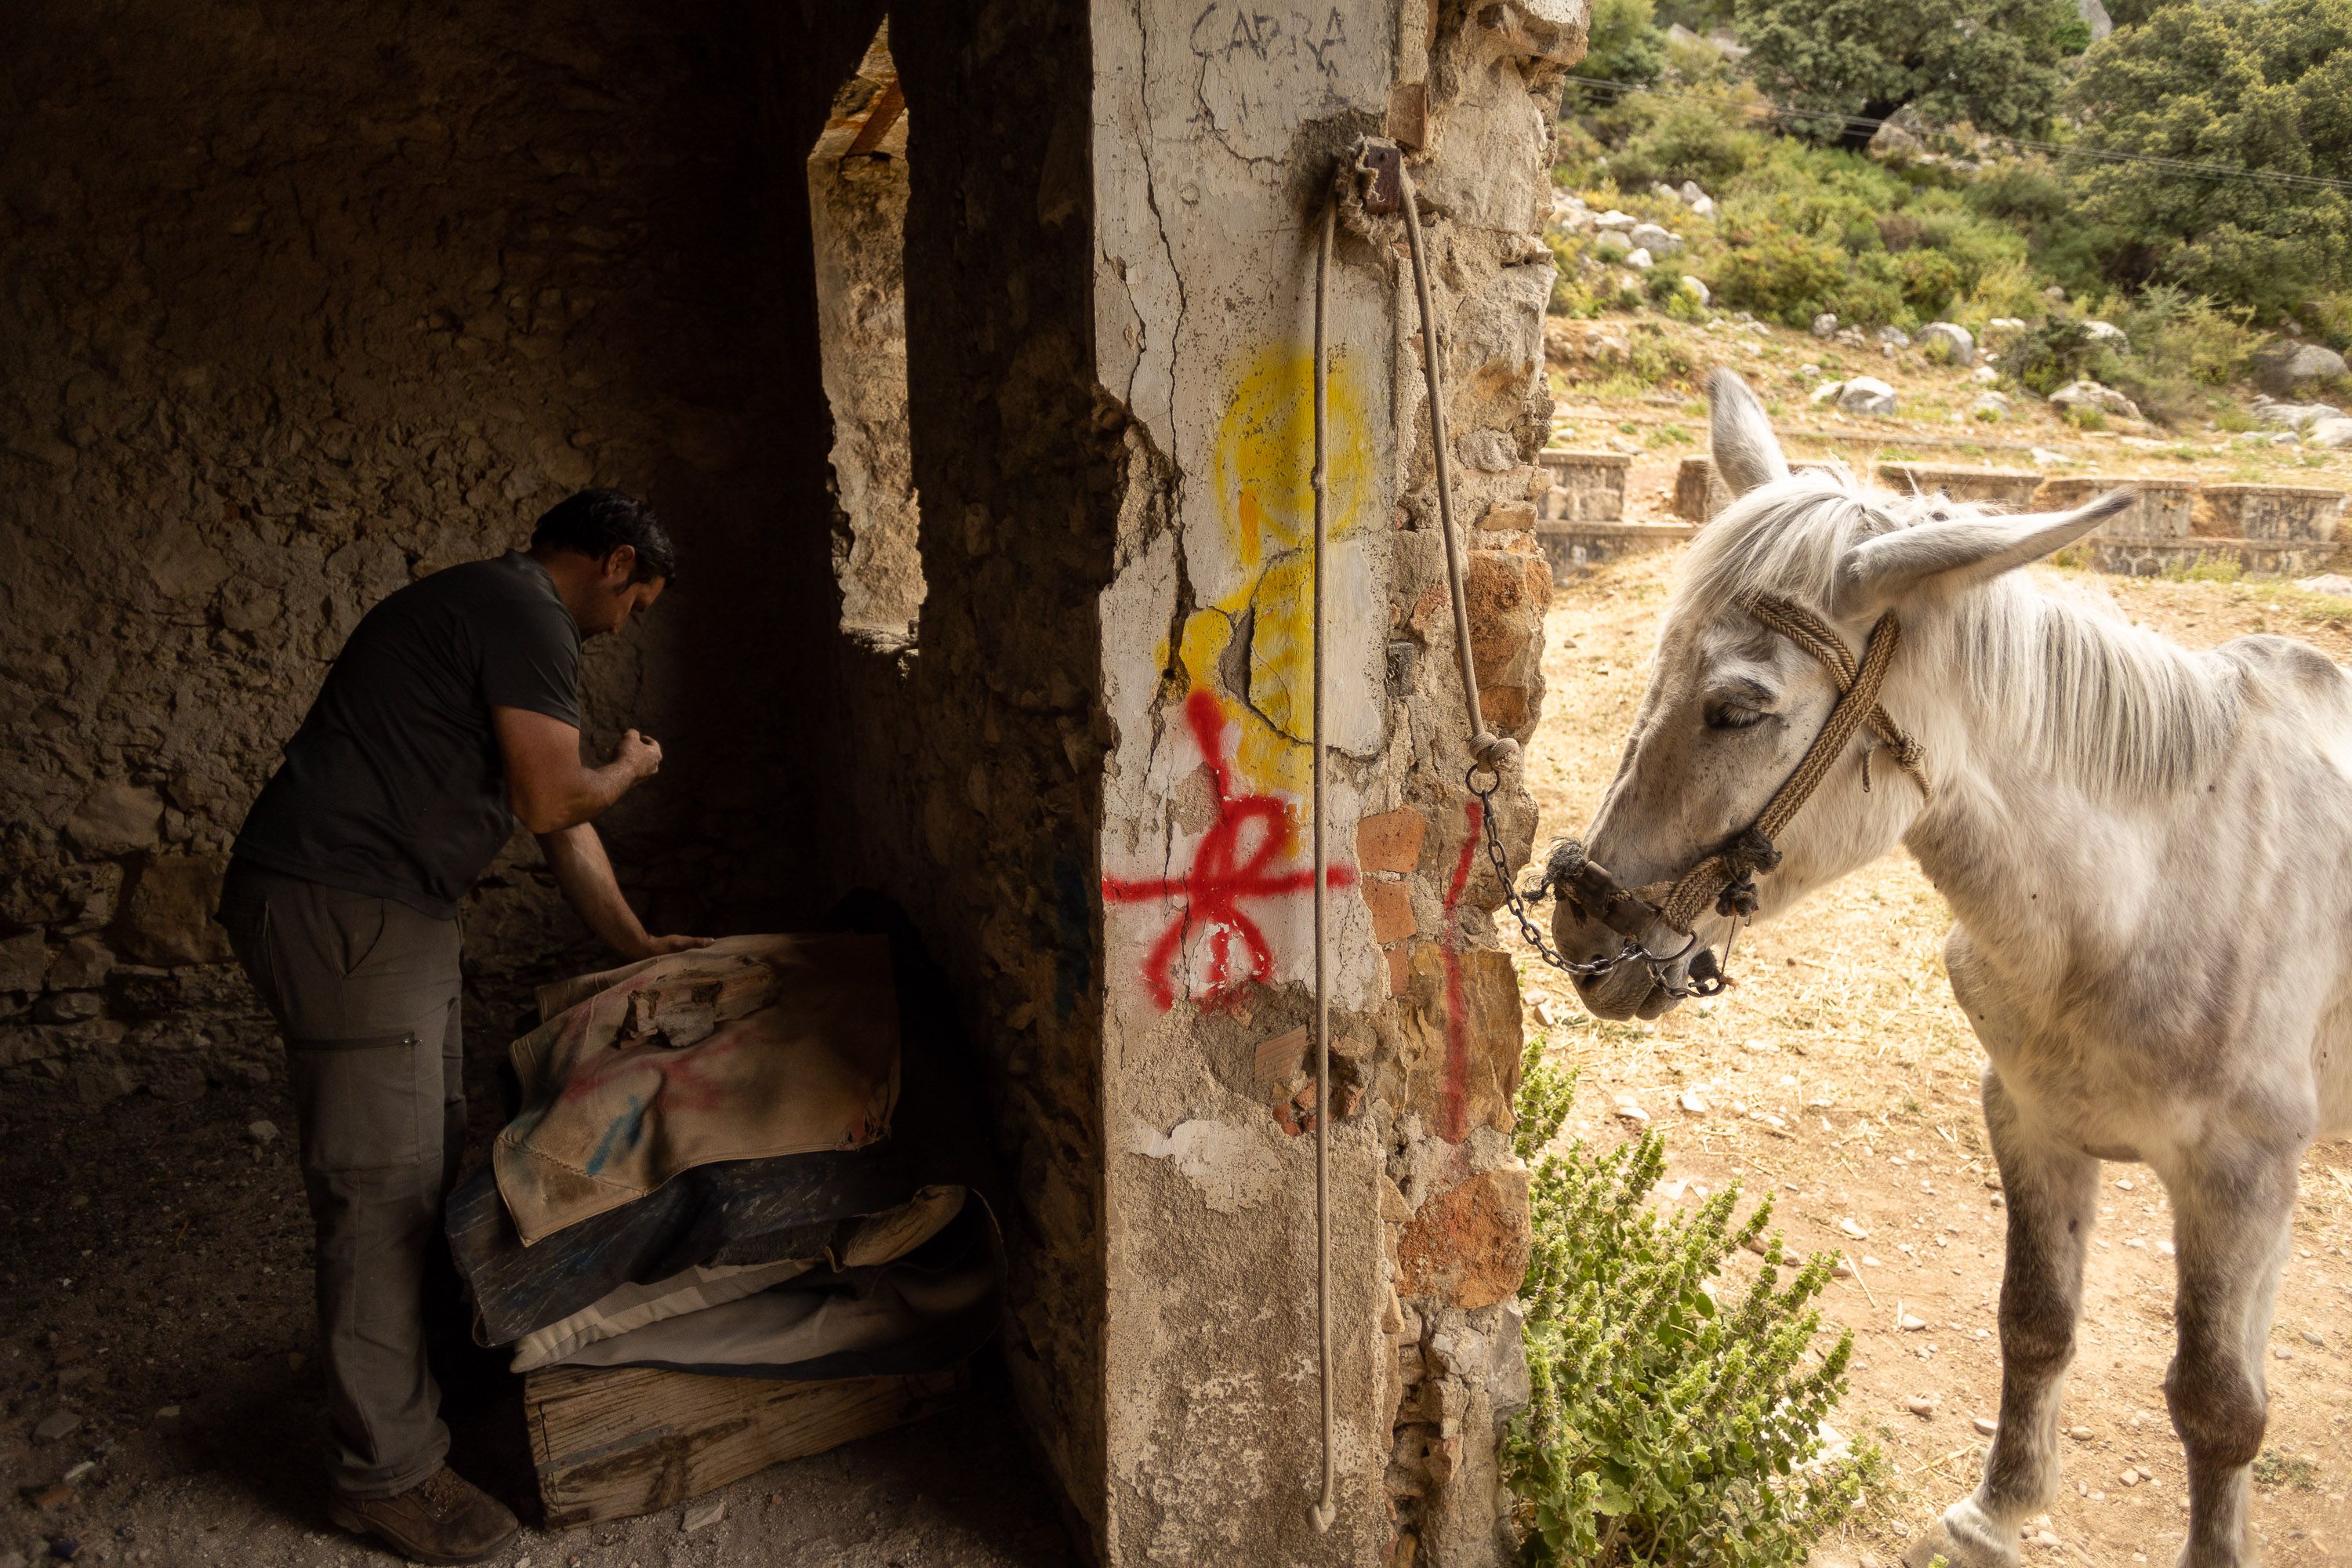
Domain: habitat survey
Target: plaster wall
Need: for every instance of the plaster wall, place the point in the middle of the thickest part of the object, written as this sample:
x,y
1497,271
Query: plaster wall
x,y
1216,130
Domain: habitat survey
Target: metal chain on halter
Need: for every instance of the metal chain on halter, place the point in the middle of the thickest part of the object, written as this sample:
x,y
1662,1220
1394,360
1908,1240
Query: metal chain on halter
x,y
1518,902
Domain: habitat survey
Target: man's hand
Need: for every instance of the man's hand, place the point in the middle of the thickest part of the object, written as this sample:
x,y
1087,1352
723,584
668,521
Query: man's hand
x,y
548,788
657,946
640,754
582,870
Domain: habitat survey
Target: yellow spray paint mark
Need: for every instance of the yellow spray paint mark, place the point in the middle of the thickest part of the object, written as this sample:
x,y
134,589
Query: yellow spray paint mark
x,y
1262,465
1261,472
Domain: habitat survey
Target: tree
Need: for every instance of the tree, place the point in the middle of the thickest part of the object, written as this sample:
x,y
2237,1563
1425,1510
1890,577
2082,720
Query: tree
x,y
1625,44
2252,88
1994,63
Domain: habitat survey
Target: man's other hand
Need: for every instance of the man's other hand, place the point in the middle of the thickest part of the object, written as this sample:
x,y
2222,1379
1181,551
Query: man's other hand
x,y
641,755
660,946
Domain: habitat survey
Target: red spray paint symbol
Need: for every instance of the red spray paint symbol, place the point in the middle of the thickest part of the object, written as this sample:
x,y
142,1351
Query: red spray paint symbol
x,y
1457,1022
1228,867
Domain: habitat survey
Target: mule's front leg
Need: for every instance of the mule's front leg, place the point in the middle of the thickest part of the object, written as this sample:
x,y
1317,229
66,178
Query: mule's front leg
x,y
2052,1195
2231,1229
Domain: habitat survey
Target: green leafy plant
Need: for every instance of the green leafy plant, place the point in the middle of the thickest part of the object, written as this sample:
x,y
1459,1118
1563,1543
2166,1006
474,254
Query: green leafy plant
x,y
1666,1430
1994,62
2256,87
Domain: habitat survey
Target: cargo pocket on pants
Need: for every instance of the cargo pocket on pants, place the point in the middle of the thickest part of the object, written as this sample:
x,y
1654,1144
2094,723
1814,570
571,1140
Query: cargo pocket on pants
x,y
359,1103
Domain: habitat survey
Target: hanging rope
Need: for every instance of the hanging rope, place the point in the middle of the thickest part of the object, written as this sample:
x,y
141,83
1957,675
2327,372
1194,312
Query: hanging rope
x,y
1327,1507
1491,749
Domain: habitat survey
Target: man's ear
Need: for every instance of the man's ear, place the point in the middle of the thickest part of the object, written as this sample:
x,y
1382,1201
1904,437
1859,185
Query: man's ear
x,y
620,565
1881,572
1739,435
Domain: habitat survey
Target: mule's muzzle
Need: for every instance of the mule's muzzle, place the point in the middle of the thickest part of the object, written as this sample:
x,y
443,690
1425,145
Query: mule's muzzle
x,y
1595,920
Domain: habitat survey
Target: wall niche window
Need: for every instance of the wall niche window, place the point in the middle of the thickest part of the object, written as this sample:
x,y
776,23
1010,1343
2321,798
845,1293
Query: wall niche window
x,y
858,217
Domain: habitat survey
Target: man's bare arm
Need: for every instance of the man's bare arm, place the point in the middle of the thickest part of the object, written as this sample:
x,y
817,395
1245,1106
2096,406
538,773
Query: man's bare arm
x,y
584,872
548,787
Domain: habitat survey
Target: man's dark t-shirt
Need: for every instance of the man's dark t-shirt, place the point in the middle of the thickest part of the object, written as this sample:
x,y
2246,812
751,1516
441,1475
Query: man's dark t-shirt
x,y
395,785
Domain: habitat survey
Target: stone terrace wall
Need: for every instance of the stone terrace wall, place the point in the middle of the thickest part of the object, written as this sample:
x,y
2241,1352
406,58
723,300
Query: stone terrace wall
x,y
303,302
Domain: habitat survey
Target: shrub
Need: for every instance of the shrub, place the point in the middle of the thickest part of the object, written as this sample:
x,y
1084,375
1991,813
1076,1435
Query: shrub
x,y
1625,45
1778,271
2182,349
1664,1430
2052,352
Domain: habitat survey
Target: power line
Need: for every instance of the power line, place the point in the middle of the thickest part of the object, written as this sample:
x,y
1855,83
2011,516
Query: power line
x,y
2279,177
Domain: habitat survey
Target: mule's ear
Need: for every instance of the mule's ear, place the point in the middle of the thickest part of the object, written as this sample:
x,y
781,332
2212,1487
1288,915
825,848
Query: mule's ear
x,y
1746,453
1881,572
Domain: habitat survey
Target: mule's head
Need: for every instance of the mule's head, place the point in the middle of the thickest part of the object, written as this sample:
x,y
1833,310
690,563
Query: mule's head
x,y
1732,707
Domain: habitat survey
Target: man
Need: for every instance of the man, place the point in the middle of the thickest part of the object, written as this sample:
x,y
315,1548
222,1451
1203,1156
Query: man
x,y
453,712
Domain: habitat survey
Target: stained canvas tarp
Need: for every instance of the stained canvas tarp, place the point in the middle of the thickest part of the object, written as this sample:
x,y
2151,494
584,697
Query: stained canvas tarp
x,y
755,1047
741,1212
920,1313
873,1239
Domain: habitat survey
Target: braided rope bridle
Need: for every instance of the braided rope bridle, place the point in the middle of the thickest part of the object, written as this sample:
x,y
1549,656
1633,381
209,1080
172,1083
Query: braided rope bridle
x,y
1725,881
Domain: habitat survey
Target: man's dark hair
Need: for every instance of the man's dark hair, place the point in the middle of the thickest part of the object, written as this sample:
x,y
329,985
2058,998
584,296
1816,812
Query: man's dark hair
x,y
597,522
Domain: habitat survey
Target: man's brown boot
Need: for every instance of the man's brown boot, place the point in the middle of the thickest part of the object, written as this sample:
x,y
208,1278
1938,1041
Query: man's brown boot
x,y
445,1518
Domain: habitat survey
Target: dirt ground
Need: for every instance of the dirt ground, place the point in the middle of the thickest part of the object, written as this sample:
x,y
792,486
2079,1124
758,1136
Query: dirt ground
x,y
1840,1078
157,1288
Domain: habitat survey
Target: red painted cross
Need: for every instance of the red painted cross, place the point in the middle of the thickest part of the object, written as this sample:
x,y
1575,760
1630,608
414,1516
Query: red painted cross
x,y
1224,872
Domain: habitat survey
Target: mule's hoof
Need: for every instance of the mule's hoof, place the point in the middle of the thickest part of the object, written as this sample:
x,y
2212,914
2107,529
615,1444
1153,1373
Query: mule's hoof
x,y
1963,1538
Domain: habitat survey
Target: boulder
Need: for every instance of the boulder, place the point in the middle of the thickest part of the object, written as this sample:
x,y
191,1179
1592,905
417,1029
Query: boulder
x,y
1825,325
1958,346
1825,393
167,916
1612,242
1697,290
1866,395
1665,192
1640,259
2108,333
1655,239
2292,415
2283,368
1703,208
117,817
1613,219
2334,432
1992,407
2090,394
1691,194
1895,337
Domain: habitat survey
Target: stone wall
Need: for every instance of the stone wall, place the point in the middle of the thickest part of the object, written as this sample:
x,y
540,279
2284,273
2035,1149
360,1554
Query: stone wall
x,y
976,748
306,302
1217,130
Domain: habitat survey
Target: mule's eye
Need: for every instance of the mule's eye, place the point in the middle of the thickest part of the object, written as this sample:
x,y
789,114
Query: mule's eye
x,y
1732,716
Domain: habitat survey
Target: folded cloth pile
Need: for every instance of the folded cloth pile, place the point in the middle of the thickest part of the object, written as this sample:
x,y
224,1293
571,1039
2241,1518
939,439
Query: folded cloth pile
x,y
715,1170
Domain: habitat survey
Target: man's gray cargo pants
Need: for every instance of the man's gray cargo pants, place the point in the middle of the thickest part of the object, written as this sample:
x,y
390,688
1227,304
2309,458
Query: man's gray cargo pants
x,y
365,991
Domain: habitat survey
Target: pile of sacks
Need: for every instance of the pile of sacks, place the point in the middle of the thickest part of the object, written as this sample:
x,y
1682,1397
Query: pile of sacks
x,y
715,1170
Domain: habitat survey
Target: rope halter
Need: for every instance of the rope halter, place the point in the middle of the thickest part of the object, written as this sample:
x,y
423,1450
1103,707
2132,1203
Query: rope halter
x,y
1725,880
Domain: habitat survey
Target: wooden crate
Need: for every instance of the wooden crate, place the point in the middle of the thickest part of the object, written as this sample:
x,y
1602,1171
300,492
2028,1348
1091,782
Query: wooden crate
x,y
615,1442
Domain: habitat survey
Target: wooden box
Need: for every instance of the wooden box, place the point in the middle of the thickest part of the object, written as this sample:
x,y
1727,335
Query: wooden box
x,y
613,1442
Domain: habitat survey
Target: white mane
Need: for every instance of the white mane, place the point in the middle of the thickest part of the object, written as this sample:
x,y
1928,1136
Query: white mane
x,y
2060,679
